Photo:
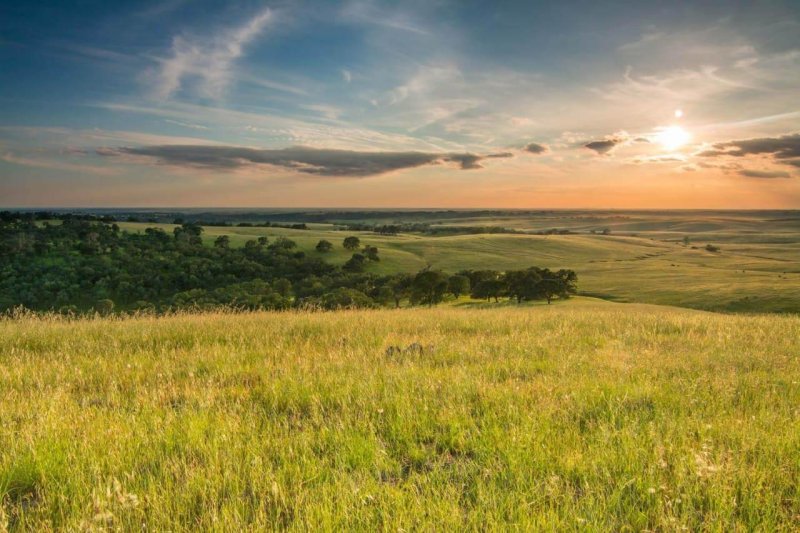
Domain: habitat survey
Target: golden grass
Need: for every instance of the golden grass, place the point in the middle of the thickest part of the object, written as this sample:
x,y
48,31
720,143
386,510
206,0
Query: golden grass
x,y
577,416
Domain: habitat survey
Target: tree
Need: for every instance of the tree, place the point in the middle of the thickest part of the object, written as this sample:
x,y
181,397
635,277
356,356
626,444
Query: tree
x,y
223,241
561,284
351,243
400,285
284,243
686,240
355,264
344,298
429,287
548,288
458,285
283,287
488,288
189,234
262,241
371,253
324,246
522,284
104,306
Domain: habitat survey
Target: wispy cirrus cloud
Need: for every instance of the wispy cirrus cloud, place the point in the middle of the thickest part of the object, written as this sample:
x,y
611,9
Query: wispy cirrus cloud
x,y
304,160
210,60
366,12
49,164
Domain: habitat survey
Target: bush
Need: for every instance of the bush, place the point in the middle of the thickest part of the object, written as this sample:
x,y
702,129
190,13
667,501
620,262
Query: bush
x,y
344,298
104,306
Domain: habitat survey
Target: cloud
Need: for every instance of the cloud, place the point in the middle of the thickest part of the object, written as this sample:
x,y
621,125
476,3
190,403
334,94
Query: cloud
x,y
186,124
347,76
605,146
321,162
208,59
366,12
783,147
783,150
9,157
764,173
536,148
669,158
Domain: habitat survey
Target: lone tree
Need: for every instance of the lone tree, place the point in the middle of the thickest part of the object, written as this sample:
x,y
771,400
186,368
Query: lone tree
x,y
429,287
324,246
458,285
351,243
262,241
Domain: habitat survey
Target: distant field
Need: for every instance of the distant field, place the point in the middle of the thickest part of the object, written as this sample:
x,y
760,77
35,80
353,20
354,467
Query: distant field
x,y
583,415
643,260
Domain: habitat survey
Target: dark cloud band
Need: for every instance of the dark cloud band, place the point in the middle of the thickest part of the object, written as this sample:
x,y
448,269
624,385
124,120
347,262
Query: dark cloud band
x,y
764,174
321,162
783,147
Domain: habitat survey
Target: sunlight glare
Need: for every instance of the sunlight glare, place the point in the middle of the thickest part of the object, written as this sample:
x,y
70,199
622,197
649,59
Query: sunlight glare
x,y
673,137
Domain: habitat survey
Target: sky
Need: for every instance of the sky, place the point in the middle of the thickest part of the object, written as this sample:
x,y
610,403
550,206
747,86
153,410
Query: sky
x,y
434,103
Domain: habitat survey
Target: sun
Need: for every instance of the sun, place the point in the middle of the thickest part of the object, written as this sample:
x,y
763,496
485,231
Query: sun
x,y
673,137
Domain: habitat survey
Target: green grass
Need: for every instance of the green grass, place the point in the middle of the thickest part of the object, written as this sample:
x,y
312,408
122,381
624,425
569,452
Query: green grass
x,y
753,272
585,415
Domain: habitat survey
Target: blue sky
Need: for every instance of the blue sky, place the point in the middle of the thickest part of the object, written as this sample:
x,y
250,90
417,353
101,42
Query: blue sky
x,y
366,103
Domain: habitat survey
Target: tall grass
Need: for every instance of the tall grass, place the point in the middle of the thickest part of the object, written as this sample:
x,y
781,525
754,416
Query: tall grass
x,y
564,417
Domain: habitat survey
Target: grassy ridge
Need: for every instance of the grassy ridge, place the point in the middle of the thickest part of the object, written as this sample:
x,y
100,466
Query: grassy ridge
x,y
749,274
578,415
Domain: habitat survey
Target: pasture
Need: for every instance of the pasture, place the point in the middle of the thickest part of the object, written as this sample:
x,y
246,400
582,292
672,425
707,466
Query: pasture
x,y
580,415
644,259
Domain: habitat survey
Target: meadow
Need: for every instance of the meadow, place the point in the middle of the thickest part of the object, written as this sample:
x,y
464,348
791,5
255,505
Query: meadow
x,y
644,259
582,415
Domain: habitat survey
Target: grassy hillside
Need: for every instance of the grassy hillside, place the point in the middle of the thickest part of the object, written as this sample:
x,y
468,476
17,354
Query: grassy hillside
x,y
754,272
584,414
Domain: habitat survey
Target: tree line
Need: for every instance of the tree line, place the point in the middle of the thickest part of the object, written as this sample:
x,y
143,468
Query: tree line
x,y
81,264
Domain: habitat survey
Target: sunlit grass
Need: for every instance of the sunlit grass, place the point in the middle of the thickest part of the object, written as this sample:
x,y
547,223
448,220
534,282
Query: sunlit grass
x,y
751,274
581,415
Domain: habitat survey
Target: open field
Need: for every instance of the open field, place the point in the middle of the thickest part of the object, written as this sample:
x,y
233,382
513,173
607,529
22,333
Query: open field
x,y
643,260
580,415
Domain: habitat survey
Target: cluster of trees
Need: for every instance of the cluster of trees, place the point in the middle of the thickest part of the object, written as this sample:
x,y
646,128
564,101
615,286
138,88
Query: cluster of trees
x,y
85,265
226,224
425,228
430,287
358,262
